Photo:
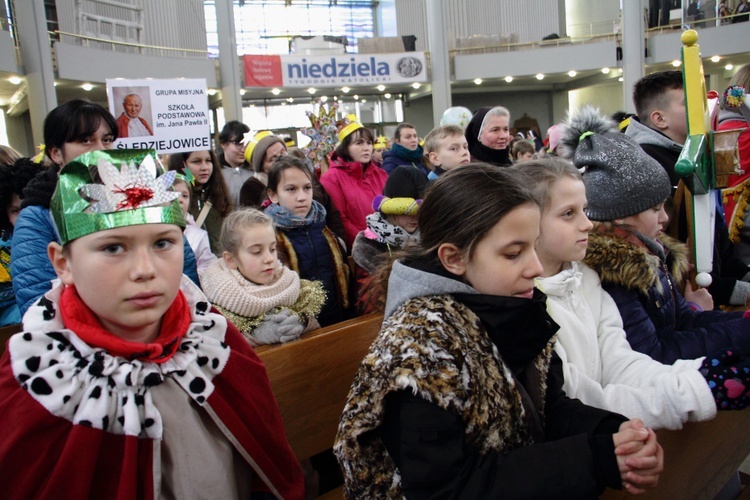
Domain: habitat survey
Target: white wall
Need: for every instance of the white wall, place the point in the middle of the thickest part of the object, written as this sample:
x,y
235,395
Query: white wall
x,y
607,97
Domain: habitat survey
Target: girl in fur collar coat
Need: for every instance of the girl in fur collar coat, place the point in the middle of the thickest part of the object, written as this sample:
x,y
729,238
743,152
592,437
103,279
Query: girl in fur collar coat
x,y
267,302
460,395
638,265
599,366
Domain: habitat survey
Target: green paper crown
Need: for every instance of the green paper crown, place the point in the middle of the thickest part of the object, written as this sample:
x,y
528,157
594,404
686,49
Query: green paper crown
x,y
106,189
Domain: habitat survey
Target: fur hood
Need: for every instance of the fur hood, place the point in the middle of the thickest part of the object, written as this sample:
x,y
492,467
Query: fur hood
x,y
622,263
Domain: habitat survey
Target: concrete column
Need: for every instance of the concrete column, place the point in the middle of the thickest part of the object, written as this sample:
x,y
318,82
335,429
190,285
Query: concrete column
x,y
633,50
37,61
440,60
229,68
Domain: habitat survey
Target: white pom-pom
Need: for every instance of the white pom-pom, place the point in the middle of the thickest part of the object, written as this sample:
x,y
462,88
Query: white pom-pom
x,y
703,279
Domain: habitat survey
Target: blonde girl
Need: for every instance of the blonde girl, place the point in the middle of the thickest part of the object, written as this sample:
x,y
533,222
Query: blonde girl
x,y
266,301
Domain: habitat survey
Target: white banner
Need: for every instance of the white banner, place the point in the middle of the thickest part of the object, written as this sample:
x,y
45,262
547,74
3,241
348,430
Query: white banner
x,y
334,70
170,116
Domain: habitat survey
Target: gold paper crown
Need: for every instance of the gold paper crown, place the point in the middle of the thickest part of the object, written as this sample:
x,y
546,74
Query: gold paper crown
x,y
128,194
380,143
351,125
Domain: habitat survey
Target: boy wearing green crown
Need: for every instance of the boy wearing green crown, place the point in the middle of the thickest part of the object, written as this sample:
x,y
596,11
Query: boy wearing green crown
x,y
125,383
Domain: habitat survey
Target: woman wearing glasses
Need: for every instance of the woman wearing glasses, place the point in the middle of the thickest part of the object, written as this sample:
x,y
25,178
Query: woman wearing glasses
x,y
232,155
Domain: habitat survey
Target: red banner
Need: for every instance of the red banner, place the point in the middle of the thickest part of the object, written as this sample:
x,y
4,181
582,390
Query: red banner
x,y
262,71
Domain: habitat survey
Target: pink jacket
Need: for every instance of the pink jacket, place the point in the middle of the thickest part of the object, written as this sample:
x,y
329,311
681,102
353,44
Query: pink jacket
x,y
352,188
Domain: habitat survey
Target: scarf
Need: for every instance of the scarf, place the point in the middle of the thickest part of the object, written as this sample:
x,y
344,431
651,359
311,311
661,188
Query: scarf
x,y
407,154
78,317
285,220
228,289
483,153
385,232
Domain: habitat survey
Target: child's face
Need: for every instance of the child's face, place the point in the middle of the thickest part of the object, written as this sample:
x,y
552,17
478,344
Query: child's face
x,y
13,209
256,258
132,106
274,151
127,276
201,166
184,198
360,149
650,222
452,152
524,157
408,138
496,132
504,261
564,228
294,192
102,138
674,115
408,223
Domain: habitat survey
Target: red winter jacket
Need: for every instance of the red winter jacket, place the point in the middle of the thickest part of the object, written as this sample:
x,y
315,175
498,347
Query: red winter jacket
x,y
352,188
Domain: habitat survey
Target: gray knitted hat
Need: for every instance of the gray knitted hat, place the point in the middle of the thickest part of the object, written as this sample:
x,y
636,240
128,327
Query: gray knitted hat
x,y
620,178
260,150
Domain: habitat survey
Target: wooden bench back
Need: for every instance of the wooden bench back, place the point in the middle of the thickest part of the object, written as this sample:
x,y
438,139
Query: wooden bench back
x,y
311,378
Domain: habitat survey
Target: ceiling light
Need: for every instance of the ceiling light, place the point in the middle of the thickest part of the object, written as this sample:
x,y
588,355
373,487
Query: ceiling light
x,y
335,98
676,63
356,97
242,91
381,87
539,76
283,103
211,91
478,81
508,79
323,98
605,71
715,59
311,91
56,84
345,90
15,80
729,67
364,100
290,99
387,96
87,87
572,73
415,85
621,79
276,91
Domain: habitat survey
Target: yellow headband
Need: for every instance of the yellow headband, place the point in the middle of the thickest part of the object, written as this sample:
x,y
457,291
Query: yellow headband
x,y
348,130
249,148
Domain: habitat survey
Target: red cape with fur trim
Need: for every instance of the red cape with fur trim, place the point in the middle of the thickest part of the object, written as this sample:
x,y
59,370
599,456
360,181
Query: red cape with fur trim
x,y
44,456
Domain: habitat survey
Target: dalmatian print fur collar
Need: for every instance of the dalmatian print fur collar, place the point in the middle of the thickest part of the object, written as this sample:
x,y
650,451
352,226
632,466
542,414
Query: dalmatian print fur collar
x,y
89,387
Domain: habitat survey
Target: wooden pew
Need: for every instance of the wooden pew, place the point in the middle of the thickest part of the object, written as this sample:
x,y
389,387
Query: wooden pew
x,y
311,378
700,458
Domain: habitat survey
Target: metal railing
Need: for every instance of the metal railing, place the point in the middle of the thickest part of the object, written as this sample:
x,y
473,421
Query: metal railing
x,y
155,50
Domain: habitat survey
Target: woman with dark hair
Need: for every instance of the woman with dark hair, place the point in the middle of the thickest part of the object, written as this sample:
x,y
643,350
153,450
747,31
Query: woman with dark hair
x,y
210,202
70,130
234,168
352,180
488,135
